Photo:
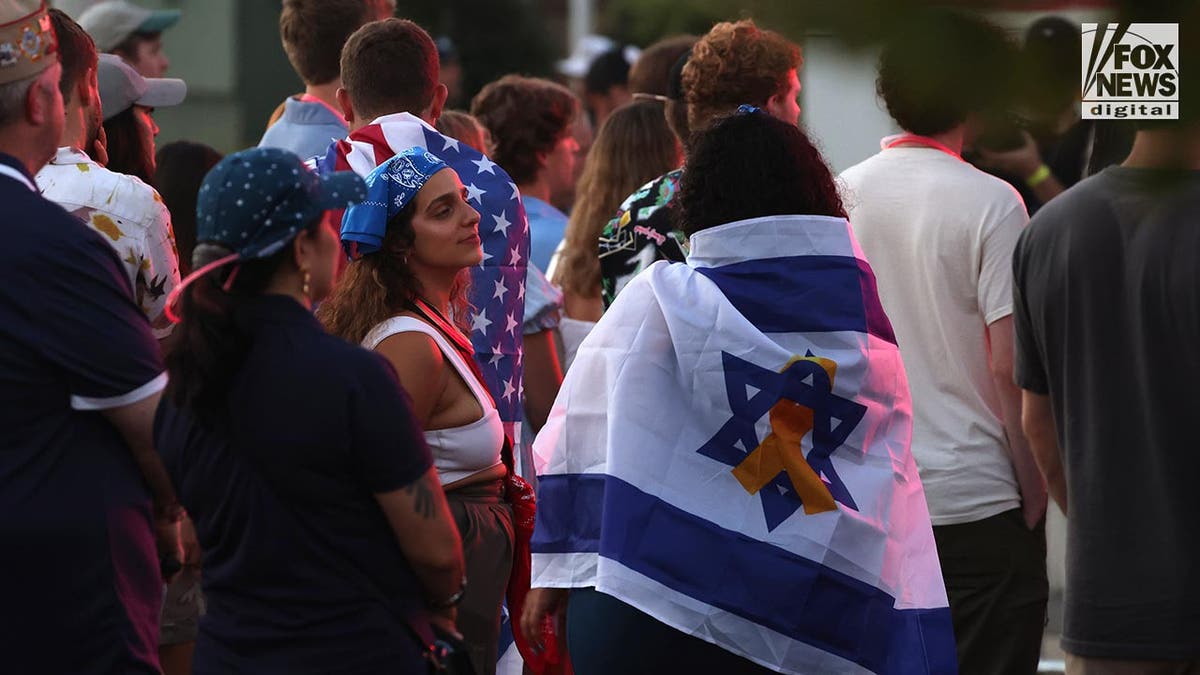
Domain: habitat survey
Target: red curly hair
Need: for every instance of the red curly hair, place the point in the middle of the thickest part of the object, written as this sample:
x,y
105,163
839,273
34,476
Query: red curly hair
x,y
734,64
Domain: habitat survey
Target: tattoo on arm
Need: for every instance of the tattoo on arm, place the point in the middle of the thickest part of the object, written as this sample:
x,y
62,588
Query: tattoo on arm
x,y
422,494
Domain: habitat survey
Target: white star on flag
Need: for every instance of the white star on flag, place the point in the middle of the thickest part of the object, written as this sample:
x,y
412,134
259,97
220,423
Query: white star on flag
x,y
501,289
475,193
509,390
485,165
450,143
521,292
516,194
480,322
502,223
516,257
496,356
511,324
486,257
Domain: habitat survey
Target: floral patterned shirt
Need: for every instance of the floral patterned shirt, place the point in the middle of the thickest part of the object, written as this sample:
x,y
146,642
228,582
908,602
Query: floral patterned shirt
x,y
642,233
132,218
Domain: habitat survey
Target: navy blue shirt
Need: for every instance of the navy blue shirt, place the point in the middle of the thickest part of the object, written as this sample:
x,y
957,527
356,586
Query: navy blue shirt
x,y
302,572
80,589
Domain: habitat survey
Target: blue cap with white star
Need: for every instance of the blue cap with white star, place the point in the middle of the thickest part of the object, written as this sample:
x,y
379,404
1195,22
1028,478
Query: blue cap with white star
x,y
255,201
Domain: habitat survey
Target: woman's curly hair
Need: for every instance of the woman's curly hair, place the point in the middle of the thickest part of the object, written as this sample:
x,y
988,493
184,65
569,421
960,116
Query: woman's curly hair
x,y
734,64
380,285
751,165
526,117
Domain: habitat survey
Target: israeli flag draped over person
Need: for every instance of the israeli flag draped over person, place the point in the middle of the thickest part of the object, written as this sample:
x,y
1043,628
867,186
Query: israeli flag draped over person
x,y
730,454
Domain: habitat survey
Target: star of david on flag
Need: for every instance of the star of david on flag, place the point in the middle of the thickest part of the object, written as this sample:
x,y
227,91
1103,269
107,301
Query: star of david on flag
x,y
754,392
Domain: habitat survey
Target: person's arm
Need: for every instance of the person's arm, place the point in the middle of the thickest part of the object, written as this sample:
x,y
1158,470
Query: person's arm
x,y
1037,418
1026,163
398,469
1029,479
425,530
543,376
135,423
101,343
421,367
160,268
1044,183
539,604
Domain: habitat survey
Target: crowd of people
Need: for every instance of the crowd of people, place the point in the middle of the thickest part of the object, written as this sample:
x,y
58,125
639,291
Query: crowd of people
x,y
605,375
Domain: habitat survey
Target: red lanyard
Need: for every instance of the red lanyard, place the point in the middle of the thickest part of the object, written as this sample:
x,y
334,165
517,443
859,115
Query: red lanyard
x,y
309,98
449,330
923,141
460,341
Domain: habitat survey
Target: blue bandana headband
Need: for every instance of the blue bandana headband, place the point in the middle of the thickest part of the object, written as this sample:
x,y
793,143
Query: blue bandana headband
x,y
390,187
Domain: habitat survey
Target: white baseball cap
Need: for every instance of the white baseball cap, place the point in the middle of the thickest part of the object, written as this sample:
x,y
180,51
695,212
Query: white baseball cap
x,y
112,22
121,87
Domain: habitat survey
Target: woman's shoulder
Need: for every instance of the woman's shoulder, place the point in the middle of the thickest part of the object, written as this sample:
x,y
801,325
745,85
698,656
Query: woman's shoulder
x,y
405,326
412,346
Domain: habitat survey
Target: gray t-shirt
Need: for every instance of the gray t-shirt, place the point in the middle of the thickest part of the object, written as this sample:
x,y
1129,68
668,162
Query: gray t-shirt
x,y
1107,316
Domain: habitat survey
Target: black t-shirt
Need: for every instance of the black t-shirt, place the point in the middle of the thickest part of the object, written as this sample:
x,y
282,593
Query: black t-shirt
x,y
302,572
79,583
1107,316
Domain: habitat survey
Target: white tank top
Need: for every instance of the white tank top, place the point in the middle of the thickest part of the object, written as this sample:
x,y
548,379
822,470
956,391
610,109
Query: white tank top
x,y
458,452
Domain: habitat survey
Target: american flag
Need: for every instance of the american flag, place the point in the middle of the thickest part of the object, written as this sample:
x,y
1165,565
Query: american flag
x,y
498,283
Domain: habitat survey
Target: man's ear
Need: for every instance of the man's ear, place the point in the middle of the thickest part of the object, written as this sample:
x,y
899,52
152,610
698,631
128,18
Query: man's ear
x,y
37,98
343,99
777,105
84,90
437,104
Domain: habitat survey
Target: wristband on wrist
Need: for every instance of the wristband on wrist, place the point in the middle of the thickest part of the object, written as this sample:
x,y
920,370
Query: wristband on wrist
x,y
1038,177
453,600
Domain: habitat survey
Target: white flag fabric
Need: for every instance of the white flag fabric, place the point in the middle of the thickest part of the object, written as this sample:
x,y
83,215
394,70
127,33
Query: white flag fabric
x,y
729,454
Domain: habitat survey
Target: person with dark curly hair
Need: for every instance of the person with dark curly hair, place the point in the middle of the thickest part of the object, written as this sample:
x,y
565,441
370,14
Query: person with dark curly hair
x,y
660,548
734,64
531,122
940,234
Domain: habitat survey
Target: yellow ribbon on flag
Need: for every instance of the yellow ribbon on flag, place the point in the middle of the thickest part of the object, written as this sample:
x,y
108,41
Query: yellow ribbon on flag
x,y
781,450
